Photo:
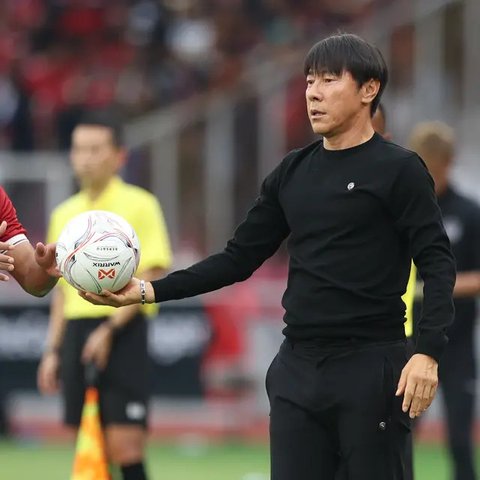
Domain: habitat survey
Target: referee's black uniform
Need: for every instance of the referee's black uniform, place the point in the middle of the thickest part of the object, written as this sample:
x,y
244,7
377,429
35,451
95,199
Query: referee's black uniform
x,y
355,218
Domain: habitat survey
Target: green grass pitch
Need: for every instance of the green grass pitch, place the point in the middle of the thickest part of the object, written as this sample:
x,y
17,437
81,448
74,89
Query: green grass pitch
x,y
193,461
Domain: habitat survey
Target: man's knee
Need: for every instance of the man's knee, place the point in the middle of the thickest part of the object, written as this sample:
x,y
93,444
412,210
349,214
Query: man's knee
x,y
125,444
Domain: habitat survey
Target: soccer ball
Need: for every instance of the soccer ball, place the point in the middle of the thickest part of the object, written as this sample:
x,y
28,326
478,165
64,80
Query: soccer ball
x,y
98,250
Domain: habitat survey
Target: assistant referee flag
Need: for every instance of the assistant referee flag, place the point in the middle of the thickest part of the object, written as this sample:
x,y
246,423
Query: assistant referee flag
x,y
90,462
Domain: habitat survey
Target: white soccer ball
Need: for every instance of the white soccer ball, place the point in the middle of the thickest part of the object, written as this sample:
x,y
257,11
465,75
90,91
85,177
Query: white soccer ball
x,y
98,250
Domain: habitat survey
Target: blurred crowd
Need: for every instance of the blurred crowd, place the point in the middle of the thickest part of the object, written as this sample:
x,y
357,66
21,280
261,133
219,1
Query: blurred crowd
x,y
61,57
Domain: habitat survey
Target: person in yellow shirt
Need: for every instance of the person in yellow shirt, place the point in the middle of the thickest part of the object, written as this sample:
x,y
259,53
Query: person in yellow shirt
x,y
379,123
115,340
409,298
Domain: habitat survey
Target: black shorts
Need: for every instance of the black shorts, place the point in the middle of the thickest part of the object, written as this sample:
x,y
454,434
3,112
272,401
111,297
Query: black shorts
x,y
123,385
334,414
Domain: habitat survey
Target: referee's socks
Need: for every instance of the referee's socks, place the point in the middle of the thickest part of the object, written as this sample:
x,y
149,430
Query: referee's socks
x,y
135,471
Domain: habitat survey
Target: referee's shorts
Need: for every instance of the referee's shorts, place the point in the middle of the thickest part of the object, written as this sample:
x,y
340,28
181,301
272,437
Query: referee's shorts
x,y
335,412
123,385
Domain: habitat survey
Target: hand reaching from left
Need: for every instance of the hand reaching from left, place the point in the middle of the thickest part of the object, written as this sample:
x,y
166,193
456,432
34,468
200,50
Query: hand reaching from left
x,y
45,258
6,261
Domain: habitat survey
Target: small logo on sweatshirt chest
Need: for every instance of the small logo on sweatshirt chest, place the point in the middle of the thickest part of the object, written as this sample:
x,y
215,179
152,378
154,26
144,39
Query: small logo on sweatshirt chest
x,y
351,186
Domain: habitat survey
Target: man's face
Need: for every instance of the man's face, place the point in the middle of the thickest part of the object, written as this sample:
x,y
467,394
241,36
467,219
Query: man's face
x,y
333,102
95,158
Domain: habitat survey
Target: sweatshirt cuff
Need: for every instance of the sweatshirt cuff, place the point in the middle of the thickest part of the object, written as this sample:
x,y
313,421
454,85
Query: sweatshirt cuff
x,y
431,344
159,290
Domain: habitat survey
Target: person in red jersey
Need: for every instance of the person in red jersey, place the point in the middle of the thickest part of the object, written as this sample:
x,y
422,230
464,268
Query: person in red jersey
x,y
34,268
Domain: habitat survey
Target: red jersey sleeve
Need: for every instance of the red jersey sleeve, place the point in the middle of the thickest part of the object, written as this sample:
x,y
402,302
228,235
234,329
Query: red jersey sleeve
x,y
9,214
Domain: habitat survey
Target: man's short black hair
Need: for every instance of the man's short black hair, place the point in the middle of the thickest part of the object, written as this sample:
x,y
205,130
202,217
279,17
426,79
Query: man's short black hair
x,y
350,53
105,118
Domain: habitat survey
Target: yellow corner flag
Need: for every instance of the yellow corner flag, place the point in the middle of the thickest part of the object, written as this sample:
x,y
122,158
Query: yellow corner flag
x,y
90,462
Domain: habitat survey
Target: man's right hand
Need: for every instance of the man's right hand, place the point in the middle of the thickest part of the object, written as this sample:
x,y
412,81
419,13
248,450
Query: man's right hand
x,y
47,374
128,295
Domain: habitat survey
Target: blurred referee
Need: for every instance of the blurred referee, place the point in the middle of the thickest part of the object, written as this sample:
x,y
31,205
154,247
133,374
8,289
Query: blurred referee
x,y
356,209
115,340
379,123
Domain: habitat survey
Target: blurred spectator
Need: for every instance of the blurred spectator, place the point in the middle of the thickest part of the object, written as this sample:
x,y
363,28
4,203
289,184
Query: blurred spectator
x,y
73,55
15,115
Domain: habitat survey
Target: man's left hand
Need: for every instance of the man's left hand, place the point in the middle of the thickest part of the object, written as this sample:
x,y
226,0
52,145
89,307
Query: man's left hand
x,y
418,382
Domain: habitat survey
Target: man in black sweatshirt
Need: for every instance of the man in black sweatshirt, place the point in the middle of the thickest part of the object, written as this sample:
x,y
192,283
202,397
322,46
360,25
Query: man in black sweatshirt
x,y
356,209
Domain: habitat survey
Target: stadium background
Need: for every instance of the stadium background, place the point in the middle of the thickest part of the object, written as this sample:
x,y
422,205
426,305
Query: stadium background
x,y
212,95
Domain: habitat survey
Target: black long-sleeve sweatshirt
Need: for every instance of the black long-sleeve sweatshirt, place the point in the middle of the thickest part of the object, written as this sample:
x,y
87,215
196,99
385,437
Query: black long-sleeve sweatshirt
x,y
354,219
